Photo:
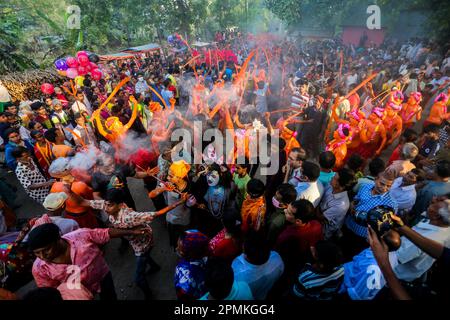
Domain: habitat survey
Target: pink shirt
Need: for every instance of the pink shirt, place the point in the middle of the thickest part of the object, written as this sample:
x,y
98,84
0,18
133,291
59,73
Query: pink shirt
x,y
85,253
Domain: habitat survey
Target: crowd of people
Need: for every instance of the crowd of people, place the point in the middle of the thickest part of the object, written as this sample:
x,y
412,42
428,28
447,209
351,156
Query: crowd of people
x,y
358,209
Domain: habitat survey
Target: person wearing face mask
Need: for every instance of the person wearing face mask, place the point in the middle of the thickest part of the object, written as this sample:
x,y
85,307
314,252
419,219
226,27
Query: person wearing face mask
x,y
284,196
141,86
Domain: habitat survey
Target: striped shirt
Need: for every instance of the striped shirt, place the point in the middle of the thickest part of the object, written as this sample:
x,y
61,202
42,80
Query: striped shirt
x,y
311,285
299,100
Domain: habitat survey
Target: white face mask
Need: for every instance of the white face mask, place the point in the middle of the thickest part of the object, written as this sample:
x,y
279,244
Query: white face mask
x,y
213,178
141,79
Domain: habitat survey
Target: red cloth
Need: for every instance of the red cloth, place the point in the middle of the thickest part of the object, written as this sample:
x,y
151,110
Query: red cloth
x,y
143,158
294,243
221,247
395,155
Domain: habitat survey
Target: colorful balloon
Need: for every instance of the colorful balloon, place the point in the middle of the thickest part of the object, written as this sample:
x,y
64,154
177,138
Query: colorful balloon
x,y
81,53
82,70
96,74
72,73
47,88
71,62
61,64
62,73
83,61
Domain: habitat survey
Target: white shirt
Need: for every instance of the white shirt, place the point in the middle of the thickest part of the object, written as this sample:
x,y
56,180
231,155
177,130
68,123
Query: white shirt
x,y
351,79
413,262
260,278
334,207
24,133
78,106
311,191
404,195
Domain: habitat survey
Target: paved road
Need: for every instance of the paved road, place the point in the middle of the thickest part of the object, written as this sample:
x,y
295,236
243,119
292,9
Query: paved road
x,y
122,265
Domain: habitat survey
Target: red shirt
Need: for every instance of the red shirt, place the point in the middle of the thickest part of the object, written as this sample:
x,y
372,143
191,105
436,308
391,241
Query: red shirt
x,y
294,243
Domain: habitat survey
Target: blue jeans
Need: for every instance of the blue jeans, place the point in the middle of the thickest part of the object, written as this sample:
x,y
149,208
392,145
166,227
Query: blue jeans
x,y
140,274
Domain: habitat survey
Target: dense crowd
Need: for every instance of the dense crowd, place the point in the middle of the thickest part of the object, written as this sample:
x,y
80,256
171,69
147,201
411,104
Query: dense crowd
x,y
358,208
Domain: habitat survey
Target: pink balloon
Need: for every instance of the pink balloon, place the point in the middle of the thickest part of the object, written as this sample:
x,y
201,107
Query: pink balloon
x,y
82,70
72,73
83,61
47,88
96,74
72,62
81,53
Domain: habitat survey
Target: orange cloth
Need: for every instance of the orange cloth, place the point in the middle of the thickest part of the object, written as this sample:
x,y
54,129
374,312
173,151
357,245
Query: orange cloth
x,y
83,216
253,213
60,150
79,188
438,113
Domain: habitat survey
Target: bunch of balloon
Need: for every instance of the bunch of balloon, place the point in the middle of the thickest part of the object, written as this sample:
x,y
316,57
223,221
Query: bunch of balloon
x,y
80,65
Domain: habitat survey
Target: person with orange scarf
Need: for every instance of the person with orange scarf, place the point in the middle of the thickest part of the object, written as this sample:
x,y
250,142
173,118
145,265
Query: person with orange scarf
x,y
43,151
373,134
392,122
438,112
254,207
342,137
411,110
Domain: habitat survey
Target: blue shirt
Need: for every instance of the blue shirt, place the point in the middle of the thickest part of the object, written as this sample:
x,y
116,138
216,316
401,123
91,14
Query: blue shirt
x,y
363,279
190,277
325,177
366,201
9,147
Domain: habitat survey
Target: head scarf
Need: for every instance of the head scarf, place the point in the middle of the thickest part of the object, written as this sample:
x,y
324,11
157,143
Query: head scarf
x,y
195,244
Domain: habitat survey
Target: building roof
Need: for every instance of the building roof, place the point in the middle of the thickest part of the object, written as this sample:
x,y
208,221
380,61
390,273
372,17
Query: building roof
x,y
143,48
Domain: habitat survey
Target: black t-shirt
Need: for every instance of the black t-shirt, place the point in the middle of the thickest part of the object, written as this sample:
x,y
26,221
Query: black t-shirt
x,y
117,180
429,148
